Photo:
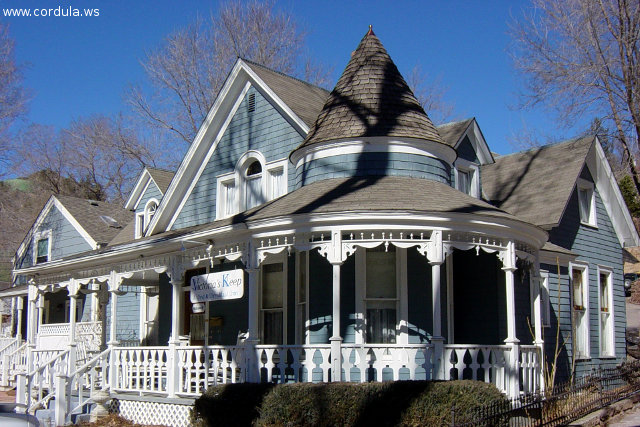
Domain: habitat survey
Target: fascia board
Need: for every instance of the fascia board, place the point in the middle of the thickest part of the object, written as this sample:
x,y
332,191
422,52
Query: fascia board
x,y
41,216
76,224
612,197
138,190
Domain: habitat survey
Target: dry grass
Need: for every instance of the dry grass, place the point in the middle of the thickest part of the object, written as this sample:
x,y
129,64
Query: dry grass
x,y
113,420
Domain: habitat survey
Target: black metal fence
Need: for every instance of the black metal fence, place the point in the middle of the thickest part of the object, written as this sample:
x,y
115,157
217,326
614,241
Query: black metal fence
x,y
560,406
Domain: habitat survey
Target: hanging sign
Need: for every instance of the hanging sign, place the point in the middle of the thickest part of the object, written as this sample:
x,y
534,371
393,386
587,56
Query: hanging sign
x,y
217,286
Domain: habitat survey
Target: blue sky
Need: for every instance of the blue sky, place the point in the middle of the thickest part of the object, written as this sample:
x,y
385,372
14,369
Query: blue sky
x,y
80,66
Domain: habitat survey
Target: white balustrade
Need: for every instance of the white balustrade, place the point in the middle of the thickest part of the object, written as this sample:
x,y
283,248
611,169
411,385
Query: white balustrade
x,y
13,363
201,367
488,363
294,363
386,362
40,382
530,368
56,335
141,369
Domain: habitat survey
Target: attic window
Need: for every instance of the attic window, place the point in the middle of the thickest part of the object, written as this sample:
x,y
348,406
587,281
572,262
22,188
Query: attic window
x,y
251,103
110,221
586,203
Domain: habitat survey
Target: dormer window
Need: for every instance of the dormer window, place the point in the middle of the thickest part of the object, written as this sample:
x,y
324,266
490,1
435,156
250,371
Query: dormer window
x,y
253,182
143,219
42,247
587,203
467,178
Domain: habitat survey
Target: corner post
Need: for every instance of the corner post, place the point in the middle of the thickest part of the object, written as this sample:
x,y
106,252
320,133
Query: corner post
x,y
535,283
20,309
73,305
114,284
436,256
509,267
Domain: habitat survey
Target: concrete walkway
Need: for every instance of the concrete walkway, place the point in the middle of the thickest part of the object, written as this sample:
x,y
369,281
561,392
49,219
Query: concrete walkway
x,y
630,419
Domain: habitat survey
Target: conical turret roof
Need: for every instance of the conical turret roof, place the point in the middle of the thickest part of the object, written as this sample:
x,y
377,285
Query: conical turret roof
x,y
370,99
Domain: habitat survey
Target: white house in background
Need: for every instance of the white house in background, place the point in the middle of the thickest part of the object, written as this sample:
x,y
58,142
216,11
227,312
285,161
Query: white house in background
x,y
316,236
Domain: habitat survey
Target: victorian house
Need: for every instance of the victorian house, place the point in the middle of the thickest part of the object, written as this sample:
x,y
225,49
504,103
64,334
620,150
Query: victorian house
x,y
323,236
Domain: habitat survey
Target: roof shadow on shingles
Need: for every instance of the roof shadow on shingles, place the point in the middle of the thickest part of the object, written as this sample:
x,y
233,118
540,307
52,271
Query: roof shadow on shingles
x,y
536,184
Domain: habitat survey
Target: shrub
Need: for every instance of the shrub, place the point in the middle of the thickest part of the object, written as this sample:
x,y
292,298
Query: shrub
x,y
230,404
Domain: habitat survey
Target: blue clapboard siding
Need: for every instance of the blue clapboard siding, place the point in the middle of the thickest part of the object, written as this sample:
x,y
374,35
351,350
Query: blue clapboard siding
x,y
127,315
264,130
465,151
596,247
151,192
373,164
65,239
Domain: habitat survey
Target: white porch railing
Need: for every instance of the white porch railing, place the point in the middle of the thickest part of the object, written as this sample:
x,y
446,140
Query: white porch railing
x,y
293,363
56,335
140,369
38,386
530,368
6,342
386,362
13,363
489,363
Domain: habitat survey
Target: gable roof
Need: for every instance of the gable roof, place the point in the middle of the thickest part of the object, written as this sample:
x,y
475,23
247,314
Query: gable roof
x,y
371,98
212,129
88,212
305,99
453,134
536,184
162,179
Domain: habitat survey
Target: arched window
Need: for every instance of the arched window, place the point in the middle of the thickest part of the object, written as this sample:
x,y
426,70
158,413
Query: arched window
x,y
149,211
253,192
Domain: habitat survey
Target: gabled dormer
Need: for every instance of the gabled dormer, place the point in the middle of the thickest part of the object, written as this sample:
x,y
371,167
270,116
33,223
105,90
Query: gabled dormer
x,y
146,197
473,152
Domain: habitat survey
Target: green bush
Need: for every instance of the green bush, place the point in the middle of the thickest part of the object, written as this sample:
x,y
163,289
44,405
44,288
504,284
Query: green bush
x,y
400,403
230,404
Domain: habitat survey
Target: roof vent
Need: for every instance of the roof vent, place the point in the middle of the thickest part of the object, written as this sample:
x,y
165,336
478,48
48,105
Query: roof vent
x,y
251,103
110,221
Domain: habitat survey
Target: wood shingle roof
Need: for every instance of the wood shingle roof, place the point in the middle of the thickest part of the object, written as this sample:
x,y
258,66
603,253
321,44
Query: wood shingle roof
x,y
371,98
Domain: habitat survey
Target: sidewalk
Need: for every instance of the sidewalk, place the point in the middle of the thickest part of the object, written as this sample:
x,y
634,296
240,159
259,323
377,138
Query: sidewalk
x,y
630,419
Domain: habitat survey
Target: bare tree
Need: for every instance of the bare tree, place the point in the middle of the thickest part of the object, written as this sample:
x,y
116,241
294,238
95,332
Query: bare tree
x,y
582,57
13,97
188,69
430,94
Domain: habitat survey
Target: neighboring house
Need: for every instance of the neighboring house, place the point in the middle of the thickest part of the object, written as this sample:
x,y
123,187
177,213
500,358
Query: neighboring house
x,y
316,236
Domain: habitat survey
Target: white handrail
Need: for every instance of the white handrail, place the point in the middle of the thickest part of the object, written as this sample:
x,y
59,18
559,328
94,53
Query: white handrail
x,y
77,380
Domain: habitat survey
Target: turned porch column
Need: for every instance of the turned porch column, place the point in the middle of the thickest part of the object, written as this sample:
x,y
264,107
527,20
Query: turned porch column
x,y
19,308
335,257
73,289
535,284
176,278
436,257
509,268
114,285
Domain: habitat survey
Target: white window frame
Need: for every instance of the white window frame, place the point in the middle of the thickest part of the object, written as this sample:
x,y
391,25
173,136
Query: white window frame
x,y
584,185
607,337
545,299
143,218
41,235
584,332
239,180
402,337
279,259
473,170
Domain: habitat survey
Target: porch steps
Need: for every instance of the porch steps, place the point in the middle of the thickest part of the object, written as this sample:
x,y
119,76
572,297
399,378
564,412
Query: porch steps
x,y
47,416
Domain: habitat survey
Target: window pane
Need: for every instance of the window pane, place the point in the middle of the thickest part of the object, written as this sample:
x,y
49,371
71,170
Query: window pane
x,y
272,333
254,168
464,182
253,193
577,288
585,204
42,251
230,198
278,186
381,273
272,286
604,292
381,325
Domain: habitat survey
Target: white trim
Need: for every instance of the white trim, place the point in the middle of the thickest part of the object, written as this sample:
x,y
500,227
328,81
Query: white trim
x,y
210,132
138,190
373,144
611,313
586,315
478,143
76,224
584,185
42,235
611,197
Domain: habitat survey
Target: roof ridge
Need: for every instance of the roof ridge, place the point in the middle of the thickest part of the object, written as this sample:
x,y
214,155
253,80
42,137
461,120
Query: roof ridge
x,y
456,122
248,61
545,146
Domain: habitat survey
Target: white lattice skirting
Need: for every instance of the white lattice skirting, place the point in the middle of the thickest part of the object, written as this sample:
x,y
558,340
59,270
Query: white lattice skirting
x,y
154,413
